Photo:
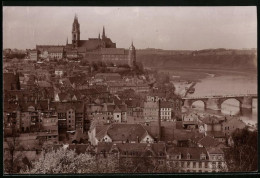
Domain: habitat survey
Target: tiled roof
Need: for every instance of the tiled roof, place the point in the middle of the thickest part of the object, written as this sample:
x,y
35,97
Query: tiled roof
x,y
208,141
77,106
116,108
101,131
194,152
180,134
123,132
113,51
165,104
89,44
157,148
214,150
210,120
56,49
133,103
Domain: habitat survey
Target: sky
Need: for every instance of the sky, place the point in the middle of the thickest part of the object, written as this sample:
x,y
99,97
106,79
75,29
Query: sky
x,y
169,28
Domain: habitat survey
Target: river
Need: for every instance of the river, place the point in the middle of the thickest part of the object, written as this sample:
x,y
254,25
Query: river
x,y
227,85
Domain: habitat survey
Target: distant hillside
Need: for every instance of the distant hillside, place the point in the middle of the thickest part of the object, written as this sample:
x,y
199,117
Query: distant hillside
x,y
217,59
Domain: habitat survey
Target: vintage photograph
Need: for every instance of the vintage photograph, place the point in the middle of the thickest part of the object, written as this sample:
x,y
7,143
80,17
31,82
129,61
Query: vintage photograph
x,y
94,90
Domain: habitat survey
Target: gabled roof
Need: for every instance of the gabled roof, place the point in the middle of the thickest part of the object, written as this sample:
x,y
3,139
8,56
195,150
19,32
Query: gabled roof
x,y
123,132
117,109
101,131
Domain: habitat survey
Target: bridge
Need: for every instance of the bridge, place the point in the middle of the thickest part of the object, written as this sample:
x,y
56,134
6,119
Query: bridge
x,y
214,102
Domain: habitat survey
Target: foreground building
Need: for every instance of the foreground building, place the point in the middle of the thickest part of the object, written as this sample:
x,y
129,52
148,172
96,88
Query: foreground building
x,y
119,133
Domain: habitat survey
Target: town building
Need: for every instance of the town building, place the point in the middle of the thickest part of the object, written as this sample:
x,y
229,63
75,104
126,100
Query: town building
x,y
195,159
71,116
33,55
231,124
151,110
119,133
166,111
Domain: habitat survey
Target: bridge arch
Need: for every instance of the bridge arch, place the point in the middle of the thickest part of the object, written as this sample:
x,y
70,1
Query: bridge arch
x,y
231,106
222,100
199,101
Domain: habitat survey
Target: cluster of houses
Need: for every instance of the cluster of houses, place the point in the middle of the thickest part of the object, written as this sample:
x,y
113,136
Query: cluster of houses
x,y
114,114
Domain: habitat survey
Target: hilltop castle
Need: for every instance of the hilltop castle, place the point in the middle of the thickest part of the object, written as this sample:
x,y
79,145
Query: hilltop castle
x,y
93,49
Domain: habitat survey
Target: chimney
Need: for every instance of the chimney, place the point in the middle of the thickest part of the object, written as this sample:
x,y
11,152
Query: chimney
x,y
48,104
159,121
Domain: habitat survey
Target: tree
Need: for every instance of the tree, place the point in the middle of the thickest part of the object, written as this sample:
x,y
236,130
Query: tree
x,y
11,154
242,156
64,161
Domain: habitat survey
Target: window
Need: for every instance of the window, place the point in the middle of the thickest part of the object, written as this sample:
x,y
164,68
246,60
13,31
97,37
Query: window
x,y
213,165
202,156
182,164
188,164
188,156
194,164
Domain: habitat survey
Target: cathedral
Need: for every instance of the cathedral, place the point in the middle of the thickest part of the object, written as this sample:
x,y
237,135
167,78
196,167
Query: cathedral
x,y
93,49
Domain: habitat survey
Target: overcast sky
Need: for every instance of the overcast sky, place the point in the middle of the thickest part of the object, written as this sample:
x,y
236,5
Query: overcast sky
x,y
191,28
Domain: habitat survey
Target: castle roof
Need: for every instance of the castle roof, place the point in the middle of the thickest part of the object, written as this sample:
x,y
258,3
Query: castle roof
x,y
113,51
89,44
58,49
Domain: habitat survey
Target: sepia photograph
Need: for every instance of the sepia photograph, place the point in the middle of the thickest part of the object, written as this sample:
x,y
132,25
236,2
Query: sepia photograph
x,y
129,90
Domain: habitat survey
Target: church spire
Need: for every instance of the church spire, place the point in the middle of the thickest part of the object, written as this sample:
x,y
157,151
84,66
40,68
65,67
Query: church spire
x,y
76,17
67,41
103,34
98,35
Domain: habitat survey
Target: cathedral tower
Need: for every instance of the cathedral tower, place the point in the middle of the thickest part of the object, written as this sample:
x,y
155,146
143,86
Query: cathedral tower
x,y
75,32
103,34
132,56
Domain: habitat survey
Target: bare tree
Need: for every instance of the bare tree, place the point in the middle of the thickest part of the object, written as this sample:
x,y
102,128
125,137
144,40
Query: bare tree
x,y
11,153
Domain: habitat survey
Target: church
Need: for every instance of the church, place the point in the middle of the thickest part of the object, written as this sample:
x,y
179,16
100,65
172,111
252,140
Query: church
x,y
94,49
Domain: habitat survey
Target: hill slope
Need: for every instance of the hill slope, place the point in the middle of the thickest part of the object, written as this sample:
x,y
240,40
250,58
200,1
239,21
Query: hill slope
x,y
230,61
